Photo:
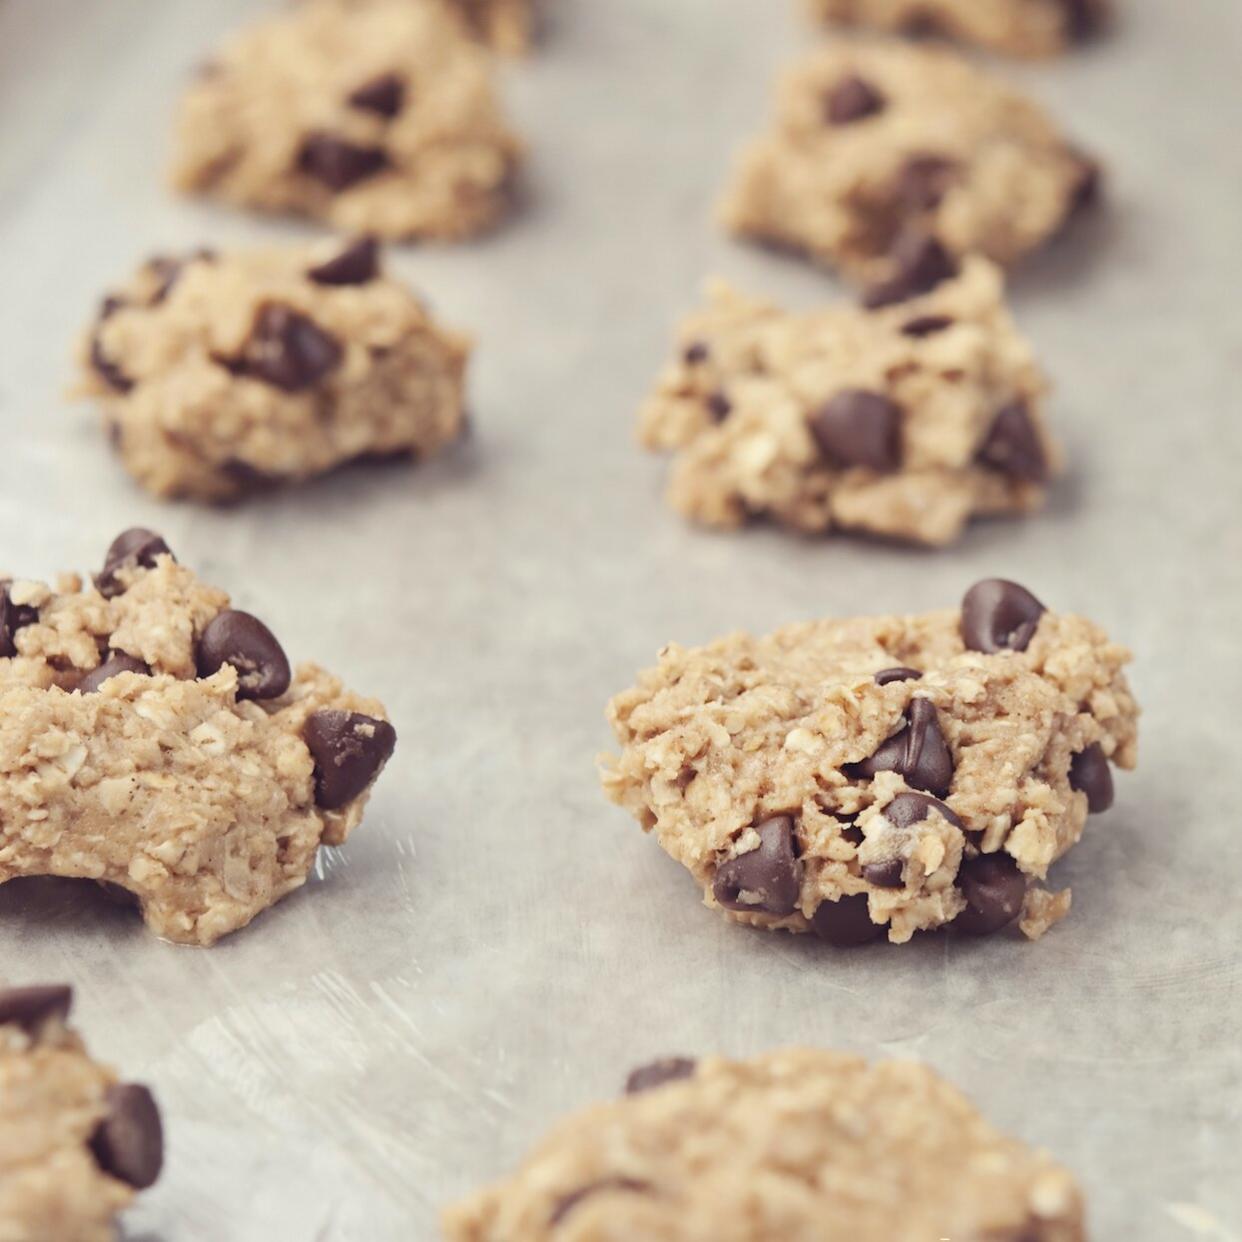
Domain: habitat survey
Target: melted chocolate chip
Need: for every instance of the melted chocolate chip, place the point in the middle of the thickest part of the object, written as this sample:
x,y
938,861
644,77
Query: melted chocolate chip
x,y
31,1007
117,662
13,617
719,407
923,182
384,95
926,325
917,751
852,100
1082,19
349,750
920,263
998,615
1013,446
107,370
339,164
659,1074
767,880
136,547
1090,774
695,353
1086,187
357,264
887,874
287,350
239,639
859,428
570,1201
886,676
128,1143
912,808
845,923
994,889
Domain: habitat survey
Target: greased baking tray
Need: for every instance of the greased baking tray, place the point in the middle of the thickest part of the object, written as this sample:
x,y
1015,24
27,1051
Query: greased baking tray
x,y
497,944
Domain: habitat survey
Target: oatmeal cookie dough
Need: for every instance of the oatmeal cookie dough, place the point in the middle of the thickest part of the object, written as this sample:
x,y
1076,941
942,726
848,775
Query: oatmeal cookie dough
x,y
380,119
155,739
75,1144
797,1145
878,147
1014,27
904,421
882,774
218,374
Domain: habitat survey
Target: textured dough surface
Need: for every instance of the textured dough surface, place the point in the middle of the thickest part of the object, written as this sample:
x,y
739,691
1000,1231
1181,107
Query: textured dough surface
x,y
717,739
736,407
1006,179
506,25
188,422
799,1146
440,166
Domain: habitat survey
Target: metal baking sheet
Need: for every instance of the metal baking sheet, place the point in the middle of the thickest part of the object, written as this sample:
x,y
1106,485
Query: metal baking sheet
x,y
497,944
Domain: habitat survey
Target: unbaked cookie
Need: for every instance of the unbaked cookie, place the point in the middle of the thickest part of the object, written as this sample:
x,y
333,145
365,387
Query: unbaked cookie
x,y
75,1144
154,739
506,25
878,147
883,774
220,373
1016,27
379,119
795,1146
905,421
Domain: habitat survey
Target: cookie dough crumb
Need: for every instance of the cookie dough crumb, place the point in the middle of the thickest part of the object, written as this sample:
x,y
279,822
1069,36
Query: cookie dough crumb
x,y
798,1143
220,374
379,119
905,421
1042,910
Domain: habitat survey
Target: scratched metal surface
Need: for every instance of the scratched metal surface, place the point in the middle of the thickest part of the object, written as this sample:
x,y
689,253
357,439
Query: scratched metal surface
x,y
497,944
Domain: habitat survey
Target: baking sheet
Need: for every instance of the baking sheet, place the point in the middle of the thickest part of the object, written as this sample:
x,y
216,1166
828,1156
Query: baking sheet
x,y
497,944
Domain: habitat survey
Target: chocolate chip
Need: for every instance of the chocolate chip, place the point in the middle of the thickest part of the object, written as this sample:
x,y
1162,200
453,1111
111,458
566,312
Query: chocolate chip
x,y
1090,774
237,638
852,100
357,264
117,662
13,617
1085,187
994,888
766,880
384,95
128,1143
31,1007
926,325
921,263
1013,446
924,180
168,269
719,407
886,874
912,808
917,751
886,676
1082,19
846,922
999,616
658,1074
859,428
695,353
287,350
923,24
570,1201
136,547
337,163
108,371
349,750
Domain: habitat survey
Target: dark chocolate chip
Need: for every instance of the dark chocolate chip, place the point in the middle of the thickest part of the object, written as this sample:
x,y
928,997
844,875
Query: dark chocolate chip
x,y
349,750
886,874
924,24
999,616
886,676
719,407
766,880
128,1143
859,428
924,180
287,350
131,548
357,264
1090,774
1082,19
237,638
110,305
917,751
31,1007
852,100
1013,446
845,923
570,1201
1086,187
13,617
920,263
384,95
658,1074
117,662
337,163
108,371
926,325
167,269
912,808
695,353
994,888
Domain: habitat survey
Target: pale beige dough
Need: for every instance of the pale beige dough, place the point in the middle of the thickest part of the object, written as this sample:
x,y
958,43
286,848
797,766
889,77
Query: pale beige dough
x,y
792,1146
269,122
1005,181
737,403
506,25
717,740
200,803
164,361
